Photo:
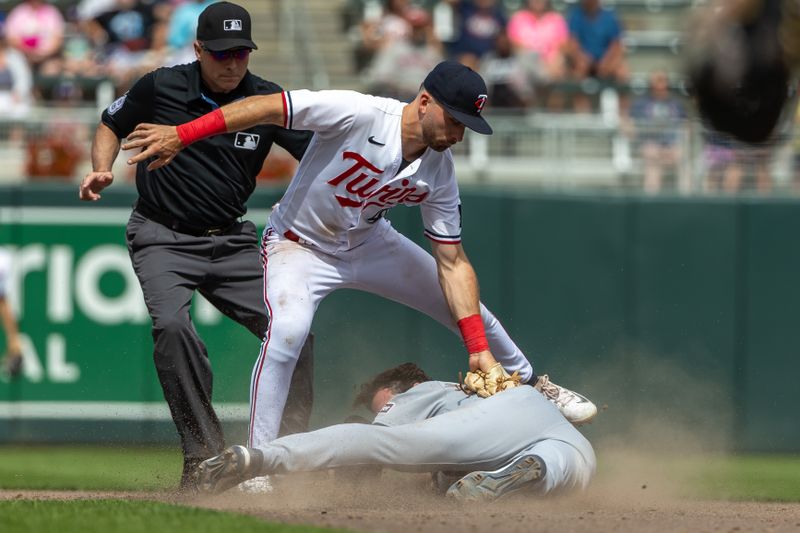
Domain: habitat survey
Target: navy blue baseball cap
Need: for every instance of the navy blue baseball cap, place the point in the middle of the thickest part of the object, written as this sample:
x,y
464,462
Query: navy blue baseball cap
x,y
225,26
461,91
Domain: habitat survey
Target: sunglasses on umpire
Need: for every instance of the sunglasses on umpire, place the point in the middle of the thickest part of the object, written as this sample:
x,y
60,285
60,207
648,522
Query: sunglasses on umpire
x,y
224,55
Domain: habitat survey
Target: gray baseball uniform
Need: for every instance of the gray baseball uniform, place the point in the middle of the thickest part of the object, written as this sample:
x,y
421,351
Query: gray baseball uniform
x,y
435,426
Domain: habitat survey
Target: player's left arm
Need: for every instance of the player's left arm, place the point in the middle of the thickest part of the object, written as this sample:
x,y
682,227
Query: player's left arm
x,y
164,142
460,287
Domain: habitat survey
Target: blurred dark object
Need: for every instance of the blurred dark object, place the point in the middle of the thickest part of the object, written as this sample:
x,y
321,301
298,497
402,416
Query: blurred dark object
x,y
12,365
75,89
737,68
54,154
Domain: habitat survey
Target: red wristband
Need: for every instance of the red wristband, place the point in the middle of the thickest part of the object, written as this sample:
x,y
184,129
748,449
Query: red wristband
x,y
473,333
205,126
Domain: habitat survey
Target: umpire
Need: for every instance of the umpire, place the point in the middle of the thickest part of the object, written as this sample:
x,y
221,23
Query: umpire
x,y
185,233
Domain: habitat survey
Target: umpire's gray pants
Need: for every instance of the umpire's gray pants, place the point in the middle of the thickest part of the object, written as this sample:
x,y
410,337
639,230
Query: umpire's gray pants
x,y
226,270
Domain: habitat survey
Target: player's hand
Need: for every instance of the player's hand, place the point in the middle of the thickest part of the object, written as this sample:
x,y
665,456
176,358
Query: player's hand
x,y
14,346
155,140
481,361
93,183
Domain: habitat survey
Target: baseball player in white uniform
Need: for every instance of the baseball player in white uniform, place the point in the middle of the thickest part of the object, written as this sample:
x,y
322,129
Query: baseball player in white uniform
x,y
328,232
430,426
12,362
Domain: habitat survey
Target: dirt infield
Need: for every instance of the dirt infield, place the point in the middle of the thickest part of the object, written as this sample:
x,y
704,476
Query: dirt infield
x,y
405,503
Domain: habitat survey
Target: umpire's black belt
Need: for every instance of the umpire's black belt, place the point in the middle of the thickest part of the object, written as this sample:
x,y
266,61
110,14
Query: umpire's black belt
x,y
165,219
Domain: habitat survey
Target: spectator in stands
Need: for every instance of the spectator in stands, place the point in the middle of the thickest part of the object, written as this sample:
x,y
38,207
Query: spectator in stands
x,y
595,48
90,9
414,57
35,28
657,121
539,29
509,77
133,36
182,29
480,22
15,81
379,32
724,171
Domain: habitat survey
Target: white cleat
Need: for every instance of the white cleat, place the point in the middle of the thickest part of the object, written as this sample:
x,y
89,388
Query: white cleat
x,y
575,408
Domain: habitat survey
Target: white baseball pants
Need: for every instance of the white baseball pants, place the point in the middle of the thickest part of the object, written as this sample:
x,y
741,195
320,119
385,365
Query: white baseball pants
x,y
297,277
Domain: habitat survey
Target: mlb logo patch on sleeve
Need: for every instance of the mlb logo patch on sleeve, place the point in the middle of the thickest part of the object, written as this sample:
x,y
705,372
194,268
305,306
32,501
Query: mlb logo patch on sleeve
x,y
233,25
386,408
117,104
246,141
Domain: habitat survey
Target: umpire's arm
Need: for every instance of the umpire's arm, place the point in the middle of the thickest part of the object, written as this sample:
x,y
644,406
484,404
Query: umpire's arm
x,y
105,148
460,287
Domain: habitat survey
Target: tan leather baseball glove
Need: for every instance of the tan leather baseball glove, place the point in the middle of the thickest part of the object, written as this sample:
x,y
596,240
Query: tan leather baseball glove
x,y
485,384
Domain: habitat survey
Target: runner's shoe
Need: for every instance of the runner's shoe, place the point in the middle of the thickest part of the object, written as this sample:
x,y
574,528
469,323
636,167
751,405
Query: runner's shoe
x,y
228,469
575,408
520,474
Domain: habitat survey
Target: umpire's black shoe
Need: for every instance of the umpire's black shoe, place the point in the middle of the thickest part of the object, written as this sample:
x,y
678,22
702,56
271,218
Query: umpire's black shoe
x,y
188,484
228,469
520,474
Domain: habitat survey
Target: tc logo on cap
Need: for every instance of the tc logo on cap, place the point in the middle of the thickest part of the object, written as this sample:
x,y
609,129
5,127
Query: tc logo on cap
x,y
480,102
233,25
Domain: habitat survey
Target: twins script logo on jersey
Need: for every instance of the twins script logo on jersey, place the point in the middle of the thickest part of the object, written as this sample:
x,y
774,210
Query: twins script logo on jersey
x,y
232,25
480,102
363,188
246,141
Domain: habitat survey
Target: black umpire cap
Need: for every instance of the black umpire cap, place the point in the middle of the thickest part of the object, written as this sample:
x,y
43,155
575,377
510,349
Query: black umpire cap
x,y
461,91
224,26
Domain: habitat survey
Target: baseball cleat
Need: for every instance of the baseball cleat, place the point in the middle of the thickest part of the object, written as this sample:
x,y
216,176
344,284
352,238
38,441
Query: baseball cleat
x,y
575,408
489,486
226,470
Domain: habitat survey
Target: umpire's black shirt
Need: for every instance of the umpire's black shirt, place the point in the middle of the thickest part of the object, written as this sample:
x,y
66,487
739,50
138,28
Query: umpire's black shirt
x,y
209,182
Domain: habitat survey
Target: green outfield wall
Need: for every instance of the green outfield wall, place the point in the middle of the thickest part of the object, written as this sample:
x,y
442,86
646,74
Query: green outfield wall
x,y
678,315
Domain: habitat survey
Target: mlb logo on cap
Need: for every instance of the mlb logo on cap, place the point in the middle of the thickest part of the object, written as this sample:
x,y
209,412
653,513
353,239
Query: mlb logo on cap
x,y
225,26
233,25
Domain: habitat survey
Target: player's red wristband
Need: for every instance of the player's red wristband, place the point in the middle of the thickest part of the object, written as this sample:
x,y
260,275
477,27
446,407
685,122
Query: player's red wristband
x,y
205,126
473,333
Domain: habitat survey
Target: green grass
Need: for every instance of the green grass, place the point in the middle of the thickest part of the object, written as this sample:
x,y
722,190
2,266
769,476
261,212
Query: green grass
x,y
89,468
755,477
125,516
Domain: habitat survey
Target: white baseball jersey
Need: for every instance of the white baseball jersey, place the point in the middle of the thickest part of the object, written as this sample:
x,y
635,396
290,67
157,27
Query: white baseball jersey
x,y
349,176
5,271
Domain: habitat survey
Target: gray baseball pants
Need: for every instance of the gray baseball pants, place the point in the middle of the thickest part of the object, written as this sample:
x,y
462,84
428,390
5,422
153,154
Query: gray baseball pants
x,y
226,270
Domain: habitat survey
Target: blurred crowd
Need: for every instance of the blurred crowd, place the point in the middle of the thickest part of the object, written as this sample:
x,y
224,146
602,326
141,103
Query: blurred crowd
x,y
530,57
539,58
59,51
534,57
